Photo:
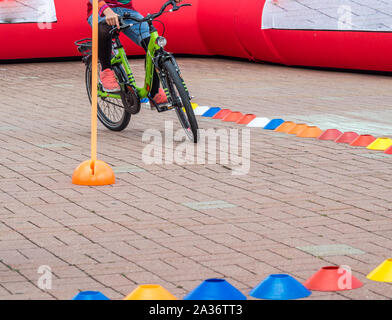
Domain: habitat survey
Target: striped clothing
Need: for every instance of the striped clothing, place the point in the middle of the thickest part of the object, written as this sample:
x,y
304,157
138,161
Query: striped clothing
x,y
103,4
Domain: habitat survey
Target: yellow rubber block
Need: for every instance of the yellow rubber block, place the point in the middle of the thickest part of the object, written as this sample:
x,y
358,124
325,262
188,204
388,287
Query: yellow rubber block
x,y
194,106
298,128
150,292
380,144
285,126
382,273
310,132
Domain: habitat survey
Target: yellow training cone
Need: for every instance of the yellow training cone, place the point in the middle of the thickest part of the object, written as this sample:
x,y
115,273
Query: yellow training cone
x,y
194,106
382,273
150,292
380,144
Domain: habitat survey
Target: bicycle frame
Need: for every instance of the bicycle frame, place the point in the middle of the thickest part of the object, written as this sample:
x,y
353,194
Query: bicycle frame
x,y
121,58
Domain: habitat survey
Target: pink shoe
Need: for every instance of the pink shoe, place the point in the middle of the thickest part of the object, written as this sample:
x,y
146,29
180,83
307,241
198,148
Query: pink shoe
x,y
109,81
160,97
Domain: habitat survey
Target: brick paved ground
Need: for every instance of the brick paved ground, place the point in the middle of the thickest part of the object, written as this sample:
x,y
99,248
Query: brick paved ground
x,y
305,203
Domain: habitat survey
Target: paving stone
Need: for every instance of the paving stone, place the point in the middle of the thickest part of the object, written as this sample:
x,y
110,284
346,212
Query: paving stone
x,y
205,205
331,250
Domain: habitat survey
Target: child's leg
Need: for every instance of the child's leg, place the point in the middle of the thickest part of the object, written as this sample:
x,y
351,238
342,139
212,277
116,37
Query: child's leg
x,y
104,45
140,34
104,42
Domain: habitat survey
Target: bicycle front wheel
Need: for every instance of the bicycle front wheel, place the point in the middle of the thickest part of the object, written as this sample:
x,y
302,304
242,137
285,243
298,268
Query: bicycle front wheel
x,y
181,101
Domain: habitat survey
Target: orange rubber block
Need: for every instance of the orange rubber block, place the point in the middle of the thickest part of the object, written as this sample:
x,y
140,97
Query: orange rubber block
x,y
363,140
150,292
233,117
310,132
285,127
221,114
246,118
330,134
93,173
389,150
380,144
298,128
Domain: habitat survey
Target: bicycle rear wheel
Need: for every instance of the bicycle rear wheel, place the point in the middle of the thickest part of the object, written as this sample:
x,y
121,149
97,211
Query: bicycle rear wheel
x,y
181,100
111,111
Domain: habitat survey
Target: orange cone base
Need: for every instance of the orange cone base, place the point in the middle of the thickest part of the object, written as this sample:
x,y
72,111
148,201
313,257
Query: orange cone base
x,y
93,173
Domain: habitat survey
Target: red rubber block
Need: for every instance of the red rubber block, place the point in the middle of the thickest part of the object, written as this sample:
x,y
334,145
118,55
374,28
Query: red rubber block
x,y
363,140
332,279
347,137
246,118
233,117
389,150
221,114
330,134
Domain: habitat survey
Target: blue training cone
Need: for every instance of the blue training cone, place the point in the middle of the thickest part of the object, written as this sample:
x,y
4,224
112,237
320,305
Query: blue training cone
x,y
211,112
215,289
90,295
280,287
273,124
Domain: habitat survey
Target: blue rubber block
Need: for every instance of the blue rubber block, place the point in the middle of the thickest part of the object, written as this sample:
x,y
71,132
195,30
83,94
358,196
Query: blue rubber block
x,y
280,287
90,295
211,112
273,124
144,100
215,289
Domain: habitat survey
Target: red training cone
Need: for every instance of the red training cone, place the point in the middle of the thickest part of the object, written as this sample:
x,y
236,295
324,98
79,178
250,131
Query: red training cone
x,y
363,140
221,114
330,134
246,119
332,279
389,150
232,117
347,137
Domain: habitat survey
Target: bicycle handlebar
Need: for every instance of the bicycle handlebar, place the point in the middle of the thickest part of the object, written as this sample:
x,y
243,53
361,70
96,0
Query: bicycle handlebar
x,y
153,16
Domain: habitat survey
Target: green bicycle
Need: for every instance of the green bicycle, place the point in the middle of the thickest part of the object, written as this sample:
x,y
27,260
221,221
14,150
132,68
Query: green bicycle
x,y
115,109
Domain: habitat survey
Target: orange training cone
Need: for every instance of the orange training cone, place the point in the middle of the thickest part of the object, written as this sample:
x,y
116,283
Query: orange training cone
x,y
232,117
332,279
363,140
150,292
298,128
221,114
94,172
246,119
310,132
285,126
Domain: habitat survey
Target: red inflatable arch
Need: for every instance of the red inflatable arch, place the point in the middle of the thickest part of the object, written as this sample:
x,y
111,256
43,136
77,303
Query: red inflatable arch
x,y
278,31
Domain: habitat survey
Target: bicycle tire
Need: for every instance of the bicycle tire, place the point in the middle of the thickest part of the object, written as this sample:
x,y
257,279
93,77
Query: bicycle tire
x,y
187,119
123,118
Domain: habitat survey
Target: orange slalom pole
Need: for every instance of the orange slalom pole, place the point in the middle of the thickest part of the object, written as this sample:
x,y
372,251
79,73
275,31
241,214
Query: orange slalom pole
x,y
94,172
94,83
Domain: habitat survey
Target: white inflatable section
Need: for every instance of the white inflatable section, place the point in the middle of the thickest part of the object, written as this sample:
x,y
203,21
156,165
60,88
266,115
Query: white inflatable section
x,y
23,11
336,15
